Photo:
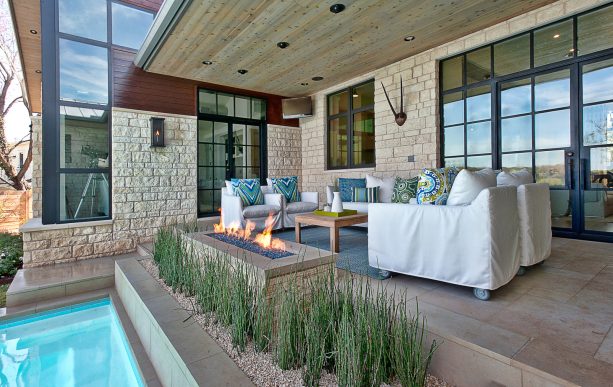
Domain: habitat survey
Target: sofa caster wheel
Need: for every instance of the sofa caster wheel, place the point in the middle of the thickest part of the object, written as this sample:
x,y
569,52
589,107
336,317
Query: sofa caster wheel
x,y
521,271
540,263
385,274
482,294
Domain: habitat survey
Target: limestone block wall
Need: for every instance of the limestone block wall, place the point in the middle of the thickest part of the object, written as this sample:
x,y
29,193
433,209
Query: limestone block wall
x,y
419,137
37,158
284,151
151,188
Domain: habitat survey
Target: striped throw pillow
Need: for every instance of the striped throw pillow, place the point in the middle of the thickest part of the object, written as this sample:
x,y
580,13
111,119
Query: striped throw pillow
x,y
365,195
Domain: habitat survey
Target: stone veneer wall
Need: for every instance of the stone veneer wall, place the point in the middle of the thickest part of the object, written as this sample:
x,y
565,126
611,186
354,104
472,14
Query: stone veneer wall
x,y
151,188
37,174
284,151
420,134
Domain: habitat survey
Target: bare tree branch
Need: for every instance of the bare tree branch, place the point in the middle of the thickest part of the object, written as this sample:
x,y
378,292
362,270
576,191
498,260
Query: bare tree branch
x,y
17,99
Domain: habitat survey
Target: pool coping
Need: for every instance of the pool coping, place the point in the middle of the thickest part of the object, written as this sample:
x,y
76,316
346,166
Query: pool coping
x,y
181,352
146,369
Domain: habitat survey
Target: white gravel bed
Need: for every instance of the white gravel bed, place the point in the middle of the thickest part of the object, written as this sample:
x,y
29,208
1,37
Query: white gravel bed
x,y
259,367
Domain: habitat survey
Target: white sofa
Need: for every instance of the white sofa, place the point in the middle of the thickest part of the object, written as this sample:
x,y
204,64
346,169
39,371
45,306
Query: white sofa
x,y
534,211
475,245
283,213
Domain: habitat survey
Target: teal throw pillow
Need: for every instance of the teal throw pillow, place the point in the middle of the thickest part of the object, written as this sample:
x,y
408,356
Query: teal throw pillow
x,y
288,187
404,189
346,185
365,195
249,191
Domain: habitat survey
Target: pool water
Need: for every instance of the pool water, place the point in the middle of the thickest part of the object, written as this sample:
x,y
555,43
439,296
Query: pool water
x,y
81,345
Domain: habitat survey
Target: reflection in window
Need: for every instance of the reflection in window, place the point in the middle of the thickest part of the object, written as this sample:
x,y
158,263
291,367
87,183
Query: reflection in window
x,y
231,105
84,195
364,138
552,90
601,167
130,25
553,43
454,140
457,162
516,133
597,81
512,55
88,135
453,109
452,72
516,98
479,138
478,65
479,162
478,104
337,142
550,168
598,124
83,72
513,162
595,31
84,18
552,129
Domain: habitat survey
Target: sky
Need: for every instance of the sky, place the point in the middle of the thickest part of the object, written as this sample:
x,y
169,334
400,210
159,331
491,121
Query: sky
x,y
17,120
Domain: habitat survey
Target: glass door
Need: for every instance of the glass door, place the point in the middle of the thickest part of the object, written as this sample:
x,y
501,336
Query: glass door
x,y
597,146
536,133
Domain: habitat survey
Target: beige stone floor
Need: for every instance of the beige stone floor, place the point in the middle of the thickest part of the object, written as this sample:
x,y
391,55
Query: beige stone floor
x,y
557,318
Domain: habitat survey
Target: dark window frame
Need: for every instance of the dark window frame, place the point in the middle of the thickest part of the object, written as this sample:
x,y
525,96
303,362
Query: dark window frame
x,y
349,115
230,120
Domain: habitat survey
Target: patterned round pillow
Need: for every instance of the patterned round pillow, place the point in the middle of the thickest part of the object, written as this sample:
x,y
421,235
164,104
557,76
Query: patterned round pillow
x,y
404,190
434,185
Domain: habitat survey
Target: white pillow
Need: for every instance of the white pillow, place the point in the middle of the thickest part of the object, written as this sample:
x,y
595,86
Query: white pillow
x,y
386,187
514,178
468,185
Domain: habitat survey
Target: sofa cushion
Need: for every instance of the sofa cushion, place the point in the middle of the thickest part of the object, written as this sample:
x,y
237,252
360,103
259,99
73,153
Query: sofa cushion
x,y
386,187
435,184
469,184
345,185
359,207
365,195
300,207
287,186
404,189
514,178
260,211
249,191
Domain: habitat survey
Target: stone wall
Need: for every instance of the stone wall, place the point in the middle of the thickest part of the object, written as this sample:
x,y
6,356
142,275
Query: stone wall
x,y
151,188
284,151
35,166
419,137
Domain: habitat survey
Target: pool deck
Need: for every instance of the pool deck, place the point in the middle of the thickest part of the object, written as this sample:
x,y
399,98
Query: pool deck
x,y
553,326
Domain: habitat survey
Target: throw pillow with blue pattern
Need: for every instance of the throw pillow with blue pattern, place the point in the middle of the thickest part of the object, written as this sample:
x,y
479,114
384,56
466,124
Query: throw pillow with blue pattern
x,y
249,191
435,184
346,186
365,195
288,187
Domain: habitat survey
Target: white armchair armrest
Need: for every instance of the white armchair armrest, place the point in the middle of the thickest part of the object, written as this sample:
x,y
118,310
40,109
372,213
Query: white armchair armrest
x,y
310,197
231,210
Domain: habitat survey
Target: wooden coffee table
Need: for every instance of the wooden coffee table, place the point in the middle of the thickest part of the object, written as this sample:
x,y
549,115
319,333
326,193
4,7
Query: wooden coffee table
x,y
334,224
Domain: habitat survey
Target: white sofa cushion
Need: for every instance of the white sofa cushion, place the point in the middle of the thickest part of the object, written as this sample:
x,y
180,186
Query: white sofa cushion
x,y
385,184
514,178
358,206
468,185
300,207
260,211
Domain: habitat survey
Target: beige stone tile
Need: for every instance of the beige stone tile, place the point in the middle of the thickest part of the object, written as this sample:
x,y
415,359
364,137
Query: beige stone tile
x,y
605,351
566,363
90,284
218,370
36,295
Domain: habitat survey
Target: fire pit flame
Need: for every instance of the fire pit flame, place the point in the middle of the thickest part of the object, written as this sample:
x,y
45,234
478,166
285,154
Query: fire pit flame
x,y
263,239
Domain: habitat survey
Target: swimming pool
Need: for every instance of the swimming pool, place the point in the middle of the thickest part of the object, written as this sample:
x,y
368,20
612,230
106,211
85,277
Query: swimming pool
x,y
80,345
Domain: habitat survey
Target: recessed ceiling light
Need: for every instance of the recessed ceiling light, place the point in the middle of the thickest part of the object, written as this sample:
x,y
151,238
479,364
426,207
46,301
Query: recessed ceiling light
x,y
283,45
207,62
355,95
242,71
304,84
33,32
556,36
317,78
38,71
337,8
409,38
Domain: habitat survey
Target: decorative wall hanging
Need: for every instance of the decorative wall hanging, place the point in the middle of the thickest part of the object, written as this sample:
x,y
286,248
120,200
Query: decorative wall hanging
x,y
401,116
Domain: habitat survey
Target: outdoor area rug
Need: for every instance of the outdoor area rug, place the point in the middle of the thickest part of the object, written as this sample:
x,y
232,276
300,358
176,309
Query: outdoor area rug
x,y
353,245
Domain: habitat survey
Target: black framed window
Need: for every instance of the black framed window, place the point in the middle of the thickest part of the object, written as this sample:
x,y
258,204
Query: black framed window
x,y
77,95
231,144
351,127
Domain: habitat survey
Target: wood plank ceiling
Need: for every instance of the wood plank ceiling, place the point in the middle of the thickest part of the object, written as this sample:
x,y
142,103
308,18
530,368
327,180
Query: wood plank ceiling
x,y
369,34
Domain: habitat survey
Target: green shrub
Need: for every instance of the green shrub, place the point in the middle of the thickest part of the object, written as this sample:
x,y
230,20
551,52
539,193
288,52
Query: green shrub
x,y
262,322
11,254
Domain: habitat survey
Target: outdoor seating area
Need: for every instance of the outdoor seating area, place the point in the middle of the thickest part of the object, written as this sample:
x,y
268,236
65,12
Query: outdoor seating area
x,y
283,193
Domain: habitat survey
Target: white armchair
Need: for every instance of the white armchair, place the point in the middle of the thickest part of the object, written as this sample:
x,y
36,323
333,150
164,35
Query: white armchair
x,y
534,210
309,202
232,211
474,245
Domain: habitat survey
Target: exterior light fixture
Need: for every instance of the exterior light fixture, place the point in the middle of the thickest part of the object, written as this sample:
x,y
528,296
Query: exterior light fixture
x,y
317,78
283,45
337,8
157,132
409,38
207,62
242,71
33,32
355,95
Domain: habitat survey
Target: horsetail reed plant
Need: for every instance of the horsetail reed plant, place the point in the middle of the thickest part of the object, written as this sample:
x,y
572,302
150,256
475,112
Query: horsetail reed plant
x,y
242,301
262,322
290,329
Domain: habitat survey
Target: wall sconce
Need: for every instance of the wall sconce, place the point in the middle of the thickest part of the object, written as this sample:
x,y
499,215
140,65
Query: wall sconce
x,y
157,132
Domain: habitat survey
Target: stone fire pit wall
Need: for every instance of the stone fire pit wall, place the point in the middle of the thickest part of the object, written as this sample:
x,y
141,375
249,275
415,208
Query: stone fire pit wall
x,y
306,262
